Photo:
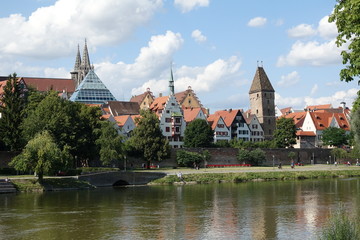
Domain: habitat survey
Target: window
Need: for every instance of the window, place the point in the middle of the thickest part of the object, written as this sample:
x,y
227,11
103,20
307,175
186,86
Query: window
x,y
177,129
220,125
167,111
167,120
167,129
172,104
269,121
257,111
177,120
189,101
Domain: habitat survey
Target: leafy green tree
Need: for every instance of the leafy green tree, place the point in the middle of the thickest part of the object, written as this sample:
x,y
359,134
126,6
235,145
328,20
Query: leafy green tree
x,y
71,124
254,157
110,143
334,136
347,18
285,132
12,105
339,153
188,159
198,134
41,155
147,138
292,155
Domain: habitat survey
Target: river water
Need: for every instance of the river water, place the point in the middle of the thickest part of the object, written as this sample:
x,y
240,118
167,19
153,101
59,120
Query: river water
x,y
255,210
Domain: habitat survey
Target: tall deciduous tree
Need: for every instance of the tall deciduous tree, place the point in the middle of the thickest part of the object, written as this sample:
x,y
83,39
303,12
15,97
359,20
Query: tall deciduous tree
x,y
148,139
11,109
198,134
41,155
334,136
110,143
347,18
285,133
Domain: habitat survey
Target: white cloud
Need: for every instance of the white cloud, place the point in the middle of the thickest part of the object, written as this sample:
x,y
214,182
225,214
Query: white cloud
x,y
327,30
201,79
54,31
311,53
257,22
189,5
121,77
302,30
290,79
314,89
335,99
198,36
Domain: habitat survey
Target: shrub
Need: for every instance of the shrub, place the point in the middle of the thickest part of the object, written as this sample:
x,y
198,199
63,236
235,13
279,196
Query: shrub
x,y
254,157
187,159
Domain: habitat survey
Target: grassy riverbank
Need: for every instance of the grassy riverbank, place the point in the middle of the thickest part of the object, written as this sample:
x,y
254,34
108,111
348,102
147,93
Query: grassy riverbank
x,y
237,177
49,184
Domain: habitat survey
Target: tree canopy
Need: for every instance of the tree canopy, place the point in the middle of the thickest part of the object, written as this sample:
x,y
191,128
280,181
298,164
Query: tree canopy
x,y
334,136
41,155
148,139
11,109
198,134
347,19
285,132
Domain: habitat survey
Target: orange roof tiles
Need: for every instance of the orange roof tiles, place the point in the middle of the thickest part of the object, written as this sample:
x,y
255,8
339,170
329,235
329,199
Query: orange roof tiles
x,y
305,133
213,120
228,115
121,120
324,106
191,113
298,118
159,103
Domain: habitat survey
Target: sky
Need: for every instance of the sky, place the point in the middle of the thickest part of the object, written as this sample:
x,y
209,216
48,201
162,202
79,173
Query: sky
x,y
214,46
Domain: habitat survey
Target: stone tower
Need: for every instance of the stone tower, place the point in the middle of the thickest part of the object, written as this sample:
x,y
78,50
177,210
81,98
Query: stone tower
x,y
82,66
262,102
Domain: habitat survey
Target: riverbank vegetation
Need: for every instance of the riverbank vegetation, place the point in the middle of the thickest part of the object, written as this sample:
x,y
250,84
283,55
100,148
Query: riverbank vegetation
x,y
50,184
256,176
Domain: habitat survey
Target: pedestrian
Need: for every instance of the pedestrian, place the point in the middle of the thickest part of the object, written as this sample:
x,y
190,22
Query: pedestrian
x,y
179,175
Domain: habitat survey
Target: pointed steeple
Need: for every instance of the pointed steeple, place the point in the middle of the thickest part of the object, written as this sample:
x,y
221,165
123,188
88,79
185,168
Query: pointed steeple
x,y
86,59
171,83
77,60
261,82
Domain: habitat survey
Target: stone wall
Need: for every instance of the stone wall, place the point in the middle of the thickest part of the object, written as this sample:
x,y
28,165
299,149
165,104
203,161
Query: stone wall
x,y
5,158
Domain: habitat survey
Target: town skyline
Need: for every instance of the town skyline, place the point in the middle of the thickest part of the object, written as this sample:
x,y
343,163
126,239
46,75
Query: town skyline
x,y
215,48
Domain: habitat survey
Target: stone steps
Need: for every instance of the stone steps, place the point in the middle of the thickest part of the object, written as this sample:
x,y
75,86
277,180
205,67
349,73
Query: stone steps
x,y
6,187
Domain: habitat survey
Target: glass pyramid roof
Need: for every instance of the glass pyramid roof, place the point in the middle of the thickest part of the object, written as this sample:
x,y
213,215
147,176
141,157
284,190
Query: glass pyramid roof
x,y
92,90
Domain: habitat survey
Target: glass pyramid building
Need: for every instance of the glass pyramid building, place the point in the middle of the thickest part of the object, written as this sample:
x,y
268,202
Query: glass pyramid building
x,y
92,90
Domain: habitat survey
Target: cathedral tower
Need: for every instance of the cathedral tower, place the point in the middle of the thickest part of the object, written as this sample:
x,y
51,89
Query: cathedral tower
x,y
82,66
262,102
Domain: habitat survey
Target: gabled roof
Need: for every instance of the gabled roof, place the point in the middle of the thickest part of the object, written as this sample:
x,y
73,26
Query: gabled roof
x,y
228,115
342,121
121,120
46,84
140,98
319,107
298,118
322,120
213,120
159,103
248,116
261,82
190,114
285,111
119,108
134,117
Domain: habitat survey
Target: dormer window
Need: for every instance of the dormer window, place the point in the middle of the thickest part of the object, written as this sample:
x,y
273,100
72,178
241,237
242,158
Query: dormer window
x,y
321,125
341,118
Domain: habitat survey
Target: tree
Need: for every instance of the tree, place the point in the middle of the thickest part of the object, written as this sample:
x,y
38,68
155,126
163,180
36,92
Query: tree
x,y
292,155
148,139
11,110
334,136
254,157
198,134
285,132
41,155
188,159
347,18
110,143
355,127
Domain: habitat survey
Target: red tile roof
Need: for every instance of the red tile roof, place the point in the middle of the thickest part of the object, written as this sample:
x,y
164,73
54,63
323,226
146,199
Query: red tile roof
x,y
46,84
228,115
140,98
305,133
316,107
213,120
190,114
298,118
121,120
285,111
159,103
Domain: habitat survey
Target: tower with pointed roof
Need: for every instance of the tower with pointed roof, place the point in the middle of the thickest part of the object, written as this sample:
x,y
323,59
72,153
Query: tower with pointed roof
x,y
82,66
171,83
262,102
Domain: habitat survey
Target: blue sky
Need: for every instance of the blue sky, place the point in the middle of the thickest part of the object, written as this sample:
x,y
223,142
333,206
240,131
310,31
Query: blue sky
x,y
213,46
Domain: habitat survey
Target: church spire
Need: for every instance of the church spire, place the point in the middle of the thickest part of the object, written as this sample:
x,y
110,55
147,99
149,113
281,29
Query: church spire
x,y
77,60
86,59
171,83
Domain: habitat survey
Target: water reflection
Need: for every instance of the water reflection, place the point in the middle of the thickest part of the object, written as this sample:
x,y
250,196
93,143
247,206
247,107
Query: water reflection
x,y
258,210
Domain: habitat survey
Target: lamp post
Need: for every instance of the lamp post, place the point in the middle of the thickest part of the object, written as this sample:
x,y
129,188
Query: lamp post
x,y
125,163
330,159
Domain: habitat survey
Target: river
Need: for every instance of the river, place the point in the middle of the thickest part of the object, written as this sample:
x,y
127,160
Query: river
x,y
255,210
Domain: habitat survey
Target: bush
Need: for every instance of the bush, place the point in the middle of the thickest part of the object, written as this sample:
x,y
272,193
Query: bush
x,y
187,159
254,157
